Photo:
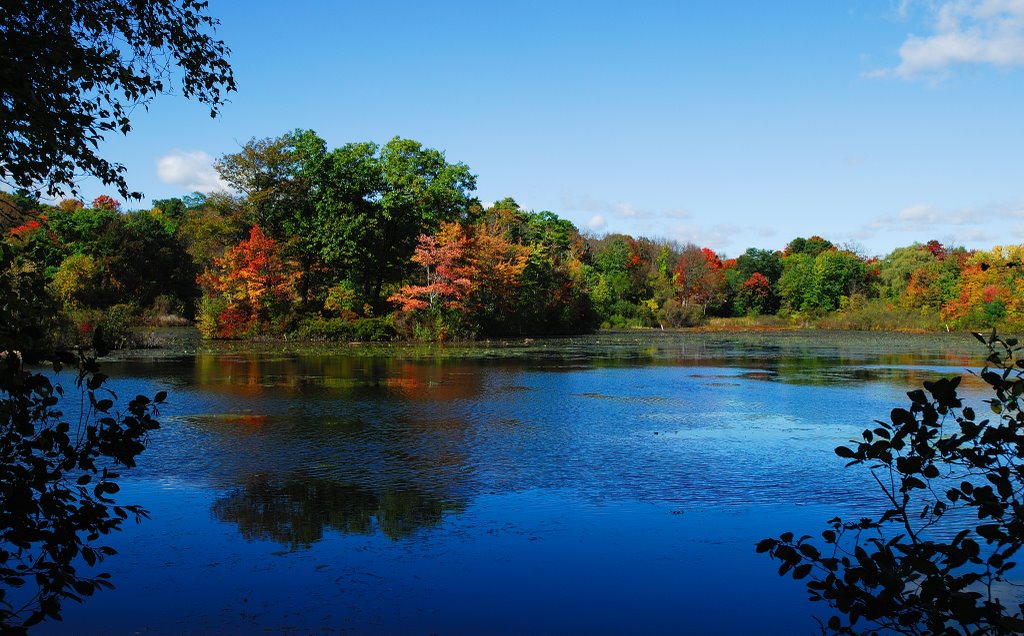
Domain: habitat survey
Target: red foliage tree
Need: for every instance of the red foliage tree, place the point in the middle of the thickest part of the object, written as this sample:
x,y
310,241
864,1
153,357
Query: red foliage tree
x,y
936,249
254,282
755,294
699,278
105,202
449,273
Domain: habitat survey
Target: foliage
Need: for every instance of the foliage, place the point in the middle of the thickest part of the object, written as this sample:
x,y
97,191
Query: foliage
x,y
72,71
512,272
811,246
939,560
989,290
374,203
817,282
699,278
57,470
449,273
755,295
256,285
106,202
76,281
205,231
273,173
317,328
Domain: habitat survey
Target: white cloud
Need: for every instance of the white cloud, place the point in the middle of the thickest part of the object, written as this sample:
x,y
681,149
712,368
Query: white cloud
x,y
974,223
192,171
716,237
963,32
622,210
597,223
628,210
918,213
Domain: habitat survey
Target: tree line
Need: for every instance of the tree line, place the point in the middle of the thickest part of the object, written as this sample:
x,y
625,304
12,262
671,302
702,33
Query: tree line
x,y
370,242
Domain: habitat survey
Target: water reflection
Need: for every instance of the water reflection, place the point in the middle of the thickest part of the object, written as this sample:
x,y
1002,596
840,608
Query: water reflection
x,y
295,510
443,495
696,421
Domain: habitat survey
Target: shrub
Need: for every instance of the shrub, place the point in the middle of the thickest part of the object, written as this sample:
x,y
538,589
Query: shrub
x,y
878,315
677,314
338,330
118,325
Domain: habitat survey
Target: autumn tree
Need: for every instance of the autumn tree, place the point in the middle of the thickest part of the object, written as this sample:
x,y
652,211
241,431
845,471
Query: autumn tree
x,y
899,266
447,271
990,289
755,295
699,278
350,215
106,202
499,264
250,287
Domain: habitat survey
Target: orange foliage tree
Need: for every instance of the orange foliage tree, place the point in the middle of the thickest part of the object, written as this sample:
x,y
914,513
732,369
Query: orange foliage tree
x,y
249,288
469,276
755,295
499,265
449,272
990,289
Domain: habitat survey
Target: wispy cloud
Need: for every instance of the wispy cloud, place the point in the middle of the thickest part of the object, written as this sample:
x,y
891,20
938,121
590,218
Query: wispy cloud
x,y
717,237
192,171
962,32
966,224
676,224
621,210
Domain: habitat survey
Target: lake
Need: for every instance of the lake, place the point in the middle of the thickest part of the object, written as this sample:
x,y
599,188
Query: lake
x,y
615,483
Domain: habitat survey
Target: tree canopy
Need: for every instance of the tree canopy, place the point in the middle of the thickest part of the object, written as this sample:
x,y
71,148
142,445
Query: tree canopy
x,y
72,71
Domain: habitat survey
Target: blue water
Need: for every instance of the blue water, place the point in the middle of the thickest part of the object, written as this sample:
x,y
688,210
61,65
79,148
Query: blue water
x,y
579,489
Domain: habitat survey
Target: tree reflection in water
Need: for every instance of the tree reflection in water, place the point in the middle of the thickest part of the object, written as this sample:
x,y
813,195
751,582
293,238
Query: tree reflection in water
x,y
295,510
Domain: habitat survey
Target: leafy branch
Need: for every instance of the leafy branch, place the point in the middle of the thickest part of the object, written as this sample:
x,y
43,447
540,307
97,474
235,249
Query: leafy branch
x,y
939,559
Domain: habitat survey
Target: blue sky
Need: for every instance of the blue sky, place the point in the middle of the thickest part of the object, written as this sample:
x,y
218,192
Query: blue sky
x,y
728,124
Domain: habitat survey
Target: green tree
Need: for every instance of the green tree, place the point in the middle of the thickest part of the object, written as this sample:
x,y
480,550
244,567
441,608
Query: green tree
x,y
749,292
72,71
810,246
765,262
372,203
837,273
940,558
797,281
818,283
274,175
897,268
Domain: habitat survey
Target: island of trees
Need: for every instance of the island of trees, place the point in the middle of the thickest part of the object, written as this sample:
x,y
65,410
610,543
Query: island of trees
x,y
370,242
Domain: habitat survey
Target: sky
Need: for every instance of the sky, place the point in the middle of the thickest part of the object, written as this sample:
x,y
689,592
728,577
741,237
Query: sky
x,y
728,124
